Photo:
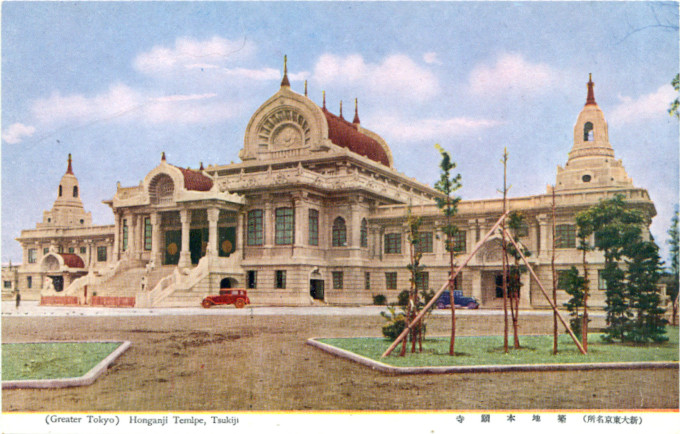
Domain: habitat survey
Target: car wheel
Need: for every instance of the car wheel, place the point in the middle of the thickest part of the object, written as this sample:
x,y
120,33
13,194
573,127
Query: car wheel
x,y
240,303
472,305
206,304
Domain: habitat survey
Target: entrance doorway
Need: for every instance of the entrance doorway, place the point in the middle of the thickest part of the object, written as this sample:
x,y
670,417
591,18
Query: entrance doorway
x,y
57,282
316,289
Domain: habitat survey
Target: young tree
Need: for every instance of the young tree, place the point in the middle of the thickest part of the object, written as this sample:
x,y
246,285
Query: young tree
x,y
574,285
517,226
584,229
672,280
632,309
413,226
448,184
643,272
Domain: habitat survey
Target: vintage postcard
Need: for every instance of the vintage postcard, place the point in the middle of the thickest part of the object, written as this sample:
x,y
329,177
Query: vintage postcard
x,y
333,216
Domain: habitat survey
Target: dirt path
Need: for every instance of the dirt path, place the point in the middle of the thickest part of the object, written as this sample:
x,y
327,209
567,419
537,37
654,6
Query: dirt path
x,y
196,363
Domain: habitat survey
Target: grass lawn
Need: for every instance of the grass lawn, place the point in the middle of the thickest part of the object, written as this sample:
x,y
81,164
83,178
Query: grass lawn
x,y
42,361
488,350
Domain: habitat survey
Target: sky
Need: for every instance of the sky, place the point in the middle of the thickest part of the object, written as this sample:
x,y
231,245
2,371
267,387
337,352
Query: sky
x,y
116,84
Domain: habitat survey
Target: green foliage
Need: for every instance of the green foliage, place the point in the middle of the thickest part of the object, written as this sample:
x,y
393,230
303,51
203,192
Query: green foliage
x,y
402,298
395,323
448,184
379,300
674,109
644,271
631,272
575,285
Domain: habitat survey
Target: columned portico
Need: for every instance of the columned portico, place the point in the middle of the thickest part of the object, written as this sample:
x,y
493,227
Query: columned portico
x,y
213,218
185,253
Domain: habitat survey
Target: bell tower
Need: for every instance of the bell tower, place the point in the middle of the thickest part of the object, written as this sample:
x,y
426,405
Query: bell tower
x,y
68,208
591,163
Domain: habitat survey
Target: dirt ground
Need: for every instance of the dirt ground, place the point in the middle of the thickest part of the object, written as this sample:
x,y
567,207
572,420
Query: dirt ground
x,y
218,363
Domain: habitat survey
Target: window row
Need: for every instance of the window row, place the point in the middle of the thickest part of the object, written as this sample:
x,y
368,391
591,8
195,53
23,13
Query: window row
x,y
33,253
563,280
284,228
424,243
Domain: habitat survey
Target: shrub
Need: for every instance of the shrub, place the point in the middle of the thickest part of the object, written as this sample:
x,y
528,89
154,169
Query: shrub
x,y
402,298
395,323
379,300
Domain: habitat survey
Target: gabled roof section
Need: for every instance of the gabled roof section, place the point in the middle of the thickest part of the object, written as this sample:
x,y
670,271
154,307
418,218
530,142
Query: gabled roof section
x,y
195,181
347,135
72,260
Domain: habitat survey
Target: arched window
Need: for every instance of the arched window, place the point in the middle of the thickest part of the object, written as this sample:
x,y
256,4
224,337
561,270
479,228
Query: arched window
x,y
339,234
60,189
75,191
588,132
364,233
161,189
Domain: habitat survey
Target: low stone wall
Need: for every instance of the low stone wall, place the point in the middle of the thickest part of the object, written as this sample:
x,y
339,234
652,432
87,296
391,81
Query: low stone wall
x,y
112,301
59,301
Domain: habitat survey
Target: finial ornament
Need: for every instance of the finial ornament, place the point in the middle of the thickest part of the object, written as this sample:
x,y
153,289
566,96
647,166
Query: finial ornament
x,y
305,87
356,111
284,81
341,109
163,156
590,100
69,169
324,98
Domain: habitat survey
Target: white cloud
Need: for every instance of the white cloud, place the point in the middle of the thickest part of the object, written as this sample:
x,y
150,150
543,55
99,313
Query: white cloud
x,y
398,129
512,74
15,133
120,101
644,107
191,54
431,58
396,75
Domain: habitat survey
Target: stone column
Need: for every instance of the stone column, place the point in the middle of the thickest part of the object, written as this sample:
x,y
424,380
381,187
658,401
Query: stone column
x,y
354,226
299,219
133,237
476,284
185,254
240,231
156,255
525,290
545,235
213,247
116,237
268,223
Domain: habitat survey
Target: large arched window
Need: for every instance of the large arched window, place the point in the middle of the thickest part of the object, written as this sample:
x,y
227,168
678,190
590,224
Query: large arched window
x,y
339,234
364,233
161,189
588,132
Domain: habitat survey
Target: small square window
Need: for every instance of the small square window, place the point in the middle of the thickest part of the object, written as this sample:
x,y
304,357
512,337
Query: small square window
x,y
337,279
391,280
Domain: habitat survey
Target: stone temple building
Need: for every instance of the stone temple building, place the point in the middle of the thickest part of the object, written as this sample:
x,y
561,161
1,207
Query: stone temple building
x,y
314,213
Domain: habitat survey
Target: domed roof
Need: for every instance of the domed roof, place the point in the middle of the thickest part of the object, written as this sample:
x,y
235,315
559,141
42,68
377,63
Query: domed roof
x,y
347,135
195,181
72,260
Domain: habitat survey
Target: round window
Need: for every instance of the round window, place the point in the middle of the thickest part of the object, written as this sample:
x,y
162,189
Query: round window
x,y
586,178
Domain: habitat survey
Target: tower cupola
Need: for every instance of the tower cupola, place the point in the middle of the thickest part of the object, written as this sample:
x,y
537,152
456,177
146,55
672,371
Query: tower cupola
x,y
68,209
591,162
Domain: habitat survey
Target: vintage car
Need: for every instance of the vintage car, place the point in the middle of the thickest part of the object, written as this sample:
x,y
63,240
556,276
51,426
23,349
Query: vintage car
x,y
444,300
237,297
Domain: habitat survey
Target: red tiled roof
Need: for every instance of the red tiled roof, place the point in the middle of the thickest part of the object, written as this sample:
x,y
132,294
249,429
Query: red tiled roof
x,y
72,260
195,181
343,133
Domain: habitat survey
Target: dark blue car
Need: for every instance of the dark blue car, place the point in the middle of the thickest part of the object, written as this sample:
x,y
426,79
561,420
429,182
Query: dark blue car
x,y
444,300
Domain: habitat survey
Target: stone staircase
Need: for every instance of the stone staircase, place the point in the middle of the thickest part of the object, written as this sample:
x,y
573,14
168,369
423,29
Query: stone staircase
x,y
129,282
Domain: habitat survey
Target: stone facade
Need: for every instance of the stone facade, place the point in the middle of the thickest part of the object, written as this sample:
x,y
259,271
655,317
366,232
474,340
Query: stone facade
x,y
314,213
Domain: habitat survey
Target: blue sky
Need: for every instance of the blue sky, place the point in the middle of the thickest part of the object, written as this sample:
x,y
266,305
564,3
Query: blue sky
x,y
115,84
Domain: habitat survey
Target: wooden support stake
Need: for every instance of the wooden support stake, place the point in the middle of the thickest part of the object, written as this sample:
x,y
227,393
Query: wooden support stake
x,y
531,270
438,293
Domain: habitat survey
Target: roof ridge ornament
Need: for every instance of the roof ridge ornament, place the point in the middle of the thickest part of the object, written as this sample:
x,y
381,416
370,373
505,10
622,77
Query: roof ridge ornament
x,y
590,100
69,169
284,81
341,110
356,112
305,87
163,156
323,92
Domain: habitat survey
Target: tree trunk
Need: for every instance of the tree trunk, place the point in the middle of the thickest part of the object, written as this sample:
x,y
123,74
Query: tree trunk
x,y
586,290
452,284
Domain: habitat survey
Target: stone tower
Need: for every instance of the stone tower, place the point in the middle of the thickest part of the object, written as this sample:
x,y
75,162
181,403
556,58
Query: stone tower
x,y
591,163
67,210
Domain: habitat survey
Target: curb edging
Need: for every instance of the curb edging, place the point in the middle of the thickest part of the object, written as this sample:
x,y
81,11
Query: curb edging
x,y
84,380
389,369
